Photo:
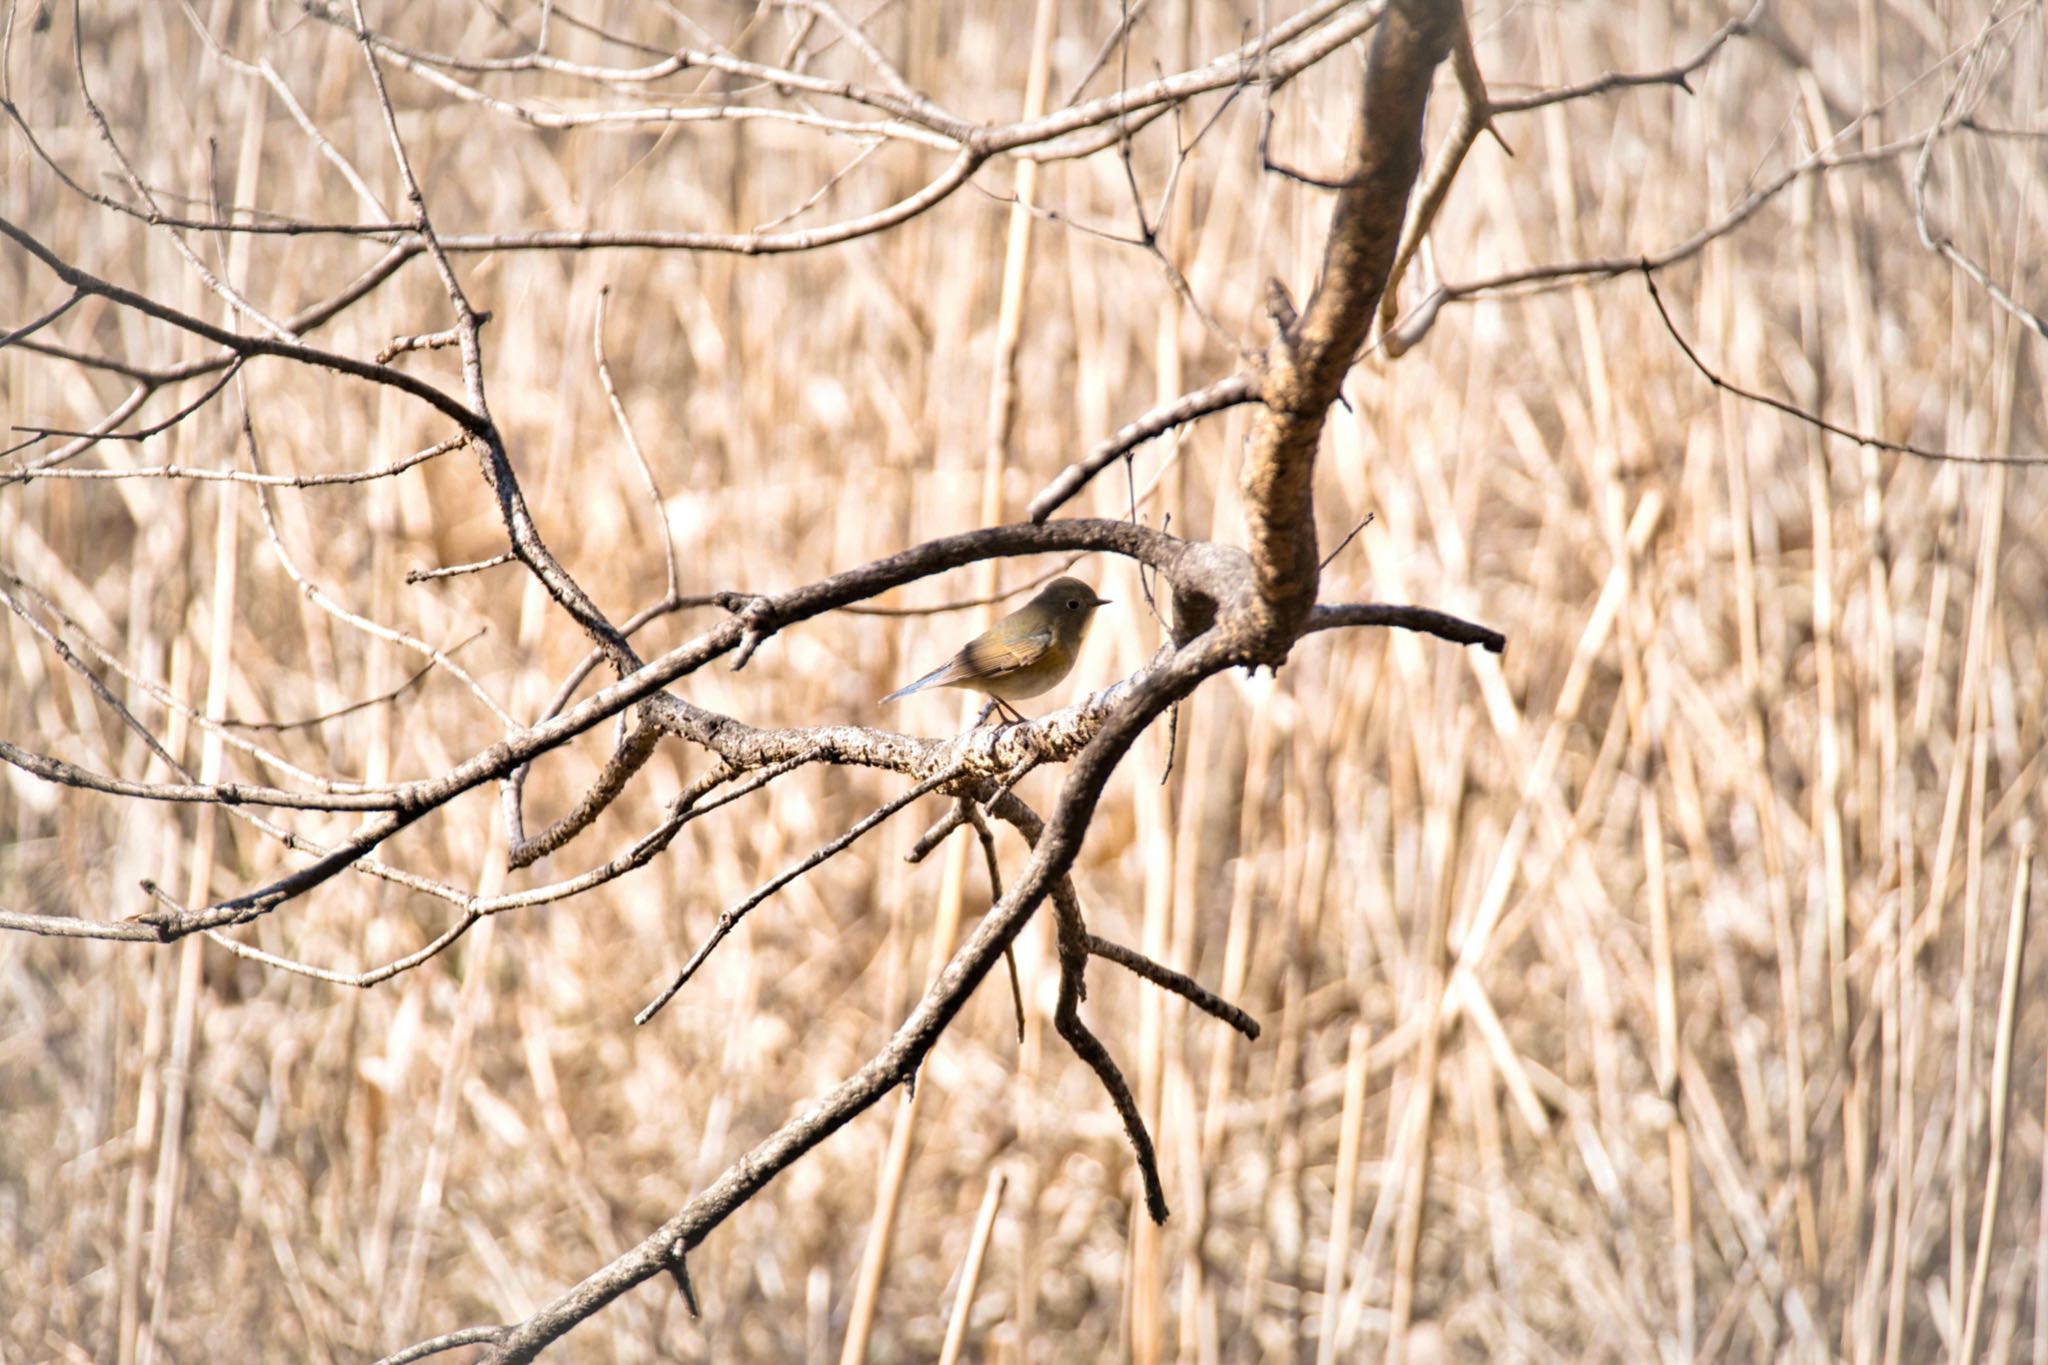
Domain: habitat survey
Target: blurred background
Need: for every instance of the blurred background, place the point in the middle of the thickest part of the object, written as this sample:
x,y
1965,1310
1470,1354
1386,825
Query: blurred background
x,y
1696,908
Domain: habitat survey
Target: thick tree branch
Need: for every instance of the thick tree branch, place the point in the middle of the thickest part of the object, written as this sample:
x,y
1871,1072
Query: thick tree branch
x,y
1307,362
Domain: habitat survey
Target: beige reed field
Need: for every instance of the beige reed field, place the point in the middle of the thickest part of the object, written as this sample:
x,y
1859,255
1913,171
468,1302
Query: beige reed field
x,y
1668,986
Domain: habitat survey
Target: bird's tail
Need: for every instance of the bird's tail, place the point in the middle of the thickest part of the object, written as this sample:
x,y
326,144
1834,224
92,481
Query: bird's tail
x,y
927,680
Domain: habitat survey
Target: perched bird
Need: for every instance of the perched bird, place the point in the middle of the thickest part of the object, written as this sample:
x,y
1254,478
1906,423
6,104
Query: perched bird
x,y
1025,653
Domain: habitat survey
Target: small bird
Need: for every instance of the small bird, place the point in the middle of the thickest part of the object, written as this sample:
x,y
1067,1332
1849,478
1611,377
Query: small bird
x,y
1025,653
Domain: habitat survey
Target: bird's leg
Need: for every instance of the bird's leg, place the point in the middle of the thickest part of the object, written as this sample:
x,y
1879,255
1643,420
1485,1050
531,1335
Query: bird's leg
x,y
1016,717
986,712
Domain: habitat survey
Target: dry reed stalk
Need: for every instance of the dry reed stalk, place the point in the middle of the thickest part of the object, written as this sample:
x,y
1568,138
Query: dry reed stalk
x,y
1276,1247
1145,1278
1200,753
2040,1354
1467,1000
970,1269
1912,1010
1843,1232
1975,651
185,1008
1758,742
2001,1099
896,1164
1418,1121
1164,811
1200,748
1237,937
1962,1117
1678,1147
1350,1128
148,1098
1979,647
455,1074
1491,1143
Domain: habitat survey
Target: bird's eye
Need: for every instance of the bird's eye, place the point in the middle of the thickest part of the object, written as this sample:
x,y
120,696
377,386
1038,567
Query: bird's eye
x,y
1073,604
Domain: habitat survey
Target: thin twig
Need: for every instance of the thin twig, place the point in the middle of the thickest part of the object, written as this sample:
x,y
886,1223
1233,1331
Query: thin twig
x,y
1182,985
611,394
1349,535
972,814
1224,393
458,570
105,431
728,921
1675,75
1073,941
1813,418
242,476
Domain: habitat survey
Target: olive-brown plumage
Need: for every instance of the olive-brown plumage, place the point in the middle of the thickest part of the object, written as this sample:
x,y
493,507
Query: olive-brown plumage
x,y
1024,654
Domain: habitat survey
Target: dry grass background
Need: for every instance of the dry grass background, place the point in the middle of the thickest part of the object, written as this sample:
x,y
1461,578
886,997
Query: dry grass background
x,y
1772,709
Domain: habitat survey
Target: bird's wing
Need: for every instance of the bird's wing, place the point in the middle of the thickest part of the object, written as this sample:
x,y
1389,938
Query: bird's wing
x,y
984,657
988,657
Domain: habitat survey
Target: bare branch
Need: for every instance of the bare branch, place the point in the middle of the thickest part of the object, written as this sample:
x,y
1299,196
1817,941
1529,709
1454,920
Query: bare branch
x,y
956,173
1227,609
1475,116
1815,419
968,603
611,394
60,926
447,1341
105,431
30,328
1306,364
628,758
1181,984
730,919
1073,954
1676,75
1424,620
235,343
197,475
1545,278
1940,242
1224,393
